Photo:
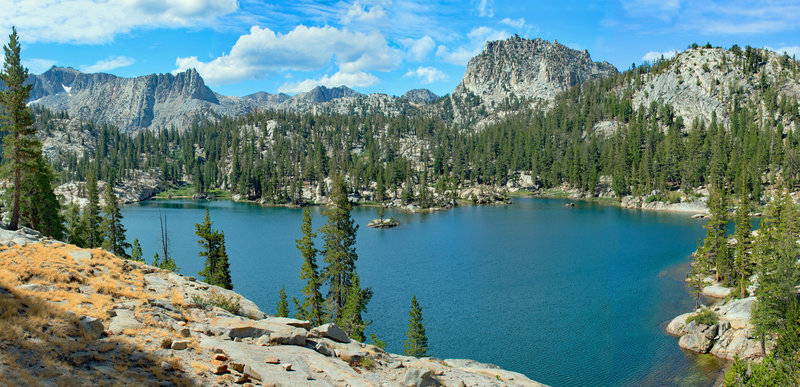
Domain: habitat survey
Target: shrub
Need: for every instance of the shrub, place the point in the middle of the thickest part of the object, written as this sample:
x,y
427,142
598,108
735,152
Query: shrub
x,y
650,199
705,316
231,304
367,363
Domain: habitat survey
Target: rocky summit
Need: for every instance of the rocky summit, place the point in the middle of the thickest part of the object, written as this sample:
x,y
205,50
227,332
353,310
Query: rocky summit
x,y
71,316
519,68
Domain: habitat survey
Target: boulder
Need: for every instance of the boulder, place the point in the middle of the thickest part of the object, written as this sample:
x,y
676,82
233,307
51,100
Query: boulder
x,y
234,328
331,331
676,326
737,312
91,327
324,349
418,377
297,336
36,287
699,339
736,342
716,291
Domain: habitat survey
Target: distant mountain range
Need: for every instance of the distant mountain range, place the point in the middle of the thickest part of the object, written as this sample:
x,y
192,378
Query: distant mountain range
x,y
504,76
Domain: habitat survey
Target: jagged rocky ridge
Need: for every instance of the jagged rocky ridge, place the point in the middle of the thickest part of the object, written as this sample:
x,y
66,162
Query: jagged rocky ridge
x,y
76,316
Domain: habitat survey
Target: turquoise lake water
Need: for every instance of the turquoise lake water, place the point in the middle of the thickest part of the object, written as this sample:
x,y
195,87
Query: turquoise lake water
x,y
569,296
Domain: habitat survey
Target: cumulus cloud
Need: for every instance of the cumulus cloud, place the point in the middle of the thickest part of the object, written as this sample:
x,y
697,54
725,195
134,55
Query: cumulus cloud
x,y
262,51
419,49
108,64
93,22
38,65
359,79
426,75
360,12
477,39
653,56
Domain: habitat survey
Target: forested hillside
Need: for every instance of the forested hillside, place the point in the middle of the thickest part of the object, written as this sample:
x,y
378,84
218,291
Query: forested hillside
x,y
593,130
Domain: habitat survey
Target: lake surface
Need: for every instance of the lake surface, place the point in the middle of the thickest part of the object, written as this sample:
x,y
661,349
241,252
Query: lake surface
x,y
569,296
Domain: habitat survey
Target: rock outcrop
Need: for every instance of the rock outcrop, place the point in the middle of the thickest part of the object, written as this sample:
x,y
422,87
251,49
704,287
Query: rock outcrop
x,y
527,69
733,335
420,96
73,316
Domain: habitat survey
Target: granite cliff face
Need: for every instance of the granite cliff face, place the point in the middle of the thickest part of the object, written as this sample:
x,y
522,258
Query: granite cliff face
x,y
527,69
420,96
146,102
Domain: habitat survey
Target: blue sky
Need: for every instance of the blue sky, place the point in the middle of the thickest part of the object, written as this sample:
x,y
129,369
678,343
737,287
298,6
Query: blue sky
x,y
387,46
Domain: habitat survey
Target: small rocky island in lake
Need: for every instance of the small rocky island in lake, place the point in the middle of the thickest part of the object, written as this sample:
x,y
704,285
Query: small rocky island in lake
x,y
383,223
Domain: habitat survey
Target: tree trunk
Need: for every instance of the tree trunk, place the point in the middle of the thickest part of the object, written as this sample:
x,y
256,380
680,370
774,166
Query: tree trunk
x,y
14,224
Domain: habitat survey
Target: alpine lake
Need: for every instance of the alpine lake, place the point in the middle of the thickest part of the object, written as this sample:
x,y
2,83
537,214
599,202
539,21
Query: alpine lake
x,y
569,296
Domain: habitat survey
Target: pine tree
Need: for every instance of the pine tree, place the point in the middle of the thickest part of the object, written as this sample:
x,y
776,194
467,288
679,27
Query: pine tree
x,y
715,247
339,234
91,215
39,207
283,306
417,342
216,270
21,148
113,230
352,319
167,264
741,262
136,251
75,227
776,252
312,307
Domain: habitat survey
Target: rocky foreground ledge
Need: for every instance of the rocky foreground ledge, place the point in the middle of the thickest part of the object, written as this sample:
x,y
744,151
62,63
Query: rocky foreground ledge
x,y
71,316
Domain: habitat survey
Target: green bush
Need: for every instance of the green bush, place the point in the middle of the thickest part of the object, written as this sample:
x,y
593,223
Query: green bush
x,y
705,317
650,199
231,304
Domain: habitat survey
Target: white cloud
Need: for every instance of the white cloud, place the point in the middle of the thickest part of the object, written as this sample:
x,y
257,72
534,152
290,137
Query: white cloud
x,y
485,8
108,64
653,56
477,40
427,75
38,65
360,12
262,51
713,17
789,50
359,79
419,49
516,23
93,21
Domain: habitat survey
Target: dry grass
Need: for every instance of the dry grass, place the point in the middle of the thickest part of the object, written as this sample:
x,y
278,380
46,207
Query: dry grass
x,y
39,330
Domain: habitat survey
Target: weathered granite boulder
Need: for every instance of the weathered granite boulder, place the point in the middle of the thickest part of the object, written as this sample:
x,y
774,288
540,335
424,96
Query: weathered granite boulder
x,y
737,312
417,377
716,291
331,331
700,337
676,326
91,327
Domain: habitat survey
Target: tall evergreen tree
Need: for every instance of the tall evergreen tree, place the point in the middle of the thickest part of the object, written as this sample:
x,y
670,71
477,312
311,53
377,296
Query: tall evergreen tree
x,y
39,207
417,341
113,230
216,270
282,309
339,234
91,214
715,247
352,318
741,261
312,307
21,148
76,230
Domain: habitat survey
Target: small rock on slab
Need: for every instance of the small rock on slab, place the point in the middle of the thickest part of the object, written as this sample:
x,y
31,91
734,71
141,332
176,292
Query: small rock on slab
x,y
179,345
287,366
324,349
272,360
418,377
238,367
